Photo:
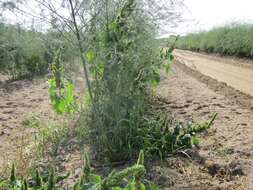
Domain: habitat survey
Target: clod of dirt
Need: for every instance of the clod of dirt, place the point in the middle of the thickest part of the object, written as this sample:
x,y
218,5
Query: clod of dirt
x,y
176,163
227,171
194,155
163,176
239,167
213,168
225,186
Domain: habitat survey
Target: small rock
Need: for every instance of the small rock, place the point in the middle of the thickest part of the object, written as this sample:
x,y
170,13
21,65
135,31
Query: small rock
x,y
78,172
213,168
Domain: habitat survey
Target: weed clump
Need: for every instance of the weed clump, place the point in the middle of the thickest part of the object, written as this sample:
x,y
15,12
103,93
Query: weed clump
x,y
129,178
124,63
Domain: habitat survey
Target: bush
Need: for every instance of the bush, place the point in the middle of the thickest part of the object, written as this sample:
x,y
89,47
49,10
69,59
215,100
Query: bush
x,y
227,40
22,53
124,62
26,53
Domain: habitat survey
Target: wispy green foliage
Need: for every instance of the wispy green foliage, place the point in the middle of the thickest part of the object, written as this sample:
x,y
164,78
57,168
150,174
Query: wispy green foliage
x,y
228,40
124,62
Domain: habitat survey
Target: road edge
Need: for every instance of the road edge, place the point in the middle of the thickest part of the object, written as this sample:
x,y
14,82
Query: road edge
x,y
236,96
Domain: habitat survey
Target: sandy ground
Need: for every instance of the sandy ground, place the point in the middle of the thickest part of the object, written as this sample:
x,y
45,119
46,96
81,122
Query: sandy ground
x,y
225,158
234,72
19,100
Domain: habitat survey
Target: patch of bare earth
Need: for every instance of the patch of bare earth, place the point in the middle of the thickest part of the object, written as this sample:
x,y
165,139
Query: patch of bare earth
x,y
235,72
225,157
19,100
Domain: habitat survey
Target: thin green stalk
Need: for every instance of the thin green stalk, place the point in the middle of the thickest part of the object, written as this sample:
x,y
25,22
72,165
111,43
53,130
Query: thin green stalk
x,y
77,33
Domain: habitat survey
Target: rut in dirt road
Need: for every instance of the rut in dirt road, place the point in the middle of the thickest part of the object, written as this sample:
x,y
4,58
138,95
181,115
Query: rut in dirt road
x,y
229,144
237,73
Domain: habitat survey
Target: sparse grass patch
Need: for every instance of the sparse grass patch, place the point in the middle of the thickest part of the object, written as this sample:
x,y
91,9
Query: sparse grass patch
x,y
50,134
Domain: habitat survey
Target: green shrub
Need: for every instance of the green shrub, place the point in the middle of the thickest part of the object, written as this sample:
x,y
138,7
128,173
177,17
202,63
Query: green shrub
x,y
124,63
26,53
124,60
22,53
234,39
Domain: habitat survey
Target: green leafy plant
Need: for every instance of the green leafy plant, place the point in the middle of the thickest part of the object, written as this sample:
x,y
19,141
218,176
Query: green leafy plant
x,y
37,182
131,178
61,90
124,63
158,137
166,53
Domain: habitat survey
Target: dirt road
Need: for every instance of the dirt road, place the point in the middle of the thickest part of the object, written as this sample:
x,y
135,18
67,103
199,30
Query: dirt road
x,y
234,72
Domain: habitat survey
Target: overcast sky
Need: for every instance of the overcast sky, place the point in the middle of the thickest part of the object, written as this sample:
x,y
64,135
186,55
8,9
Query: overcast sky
x,y
206,14
203,14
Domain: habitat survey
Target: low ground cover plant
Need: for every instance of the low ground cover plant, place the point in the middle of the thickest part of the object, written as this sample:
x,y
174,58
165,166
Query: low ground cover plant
x,y
131,178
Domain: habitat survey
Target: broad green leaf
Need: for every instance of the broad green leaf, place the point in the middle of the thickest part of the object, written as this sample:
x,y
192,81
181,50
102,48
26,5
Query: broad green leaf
x,y
167,67
95,178
142,186
153,186
90,55
155,79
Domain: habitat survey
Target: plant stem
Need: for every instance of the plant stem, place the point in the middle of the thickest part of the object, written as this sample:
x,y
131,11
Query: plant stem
x,y
77,33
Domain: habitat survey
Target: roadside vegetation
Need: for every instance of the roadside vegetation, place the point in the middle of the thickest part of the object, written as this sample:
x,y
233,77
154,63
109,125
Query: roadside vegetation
x,y
26,53
235,39
131,178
